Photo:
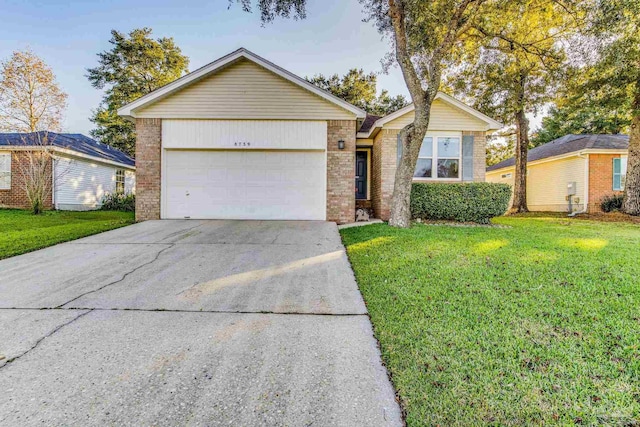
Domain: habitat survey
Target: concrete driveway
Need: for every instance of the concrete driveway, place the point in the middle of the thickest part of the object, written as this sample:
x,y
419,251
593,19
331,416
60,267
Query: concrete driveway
x,y
190,323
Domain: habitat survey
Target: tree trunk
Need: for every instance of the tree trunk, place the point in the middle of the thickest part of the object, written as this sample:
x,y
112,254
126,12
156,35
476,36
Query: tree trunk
x,y
411,138
522,147
632,186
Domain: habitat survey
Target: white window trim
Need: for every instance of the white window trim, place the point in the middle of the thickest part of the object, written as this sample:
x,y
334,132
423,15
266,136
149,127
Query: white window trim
x,y
122,181
434,159
8,154
623,173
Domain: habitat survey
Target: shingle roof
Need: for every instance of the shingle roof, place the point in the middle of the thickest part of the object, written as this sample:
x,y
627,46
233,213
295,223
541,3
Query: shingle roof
x,y
569,144
71,141
368,122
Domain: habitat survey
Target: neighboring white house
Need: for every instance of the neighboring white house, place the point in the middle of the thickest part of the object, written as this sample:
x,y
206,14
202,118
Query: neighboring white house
x,y
83,170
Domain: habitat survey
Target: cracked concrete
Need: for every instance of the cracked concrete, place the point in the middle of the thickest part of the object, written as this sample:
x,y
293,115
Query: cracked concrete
x,y
190,323
40,339
124,276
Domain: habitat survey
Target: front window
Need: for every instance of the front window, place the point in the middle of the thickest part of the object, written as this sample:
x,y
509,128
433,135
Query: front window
x,y
5,171
441,152
120,181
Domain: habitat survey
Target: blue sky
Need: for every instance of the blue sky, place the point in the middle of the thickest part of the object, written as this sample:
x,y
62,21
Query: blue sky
x,y
68,35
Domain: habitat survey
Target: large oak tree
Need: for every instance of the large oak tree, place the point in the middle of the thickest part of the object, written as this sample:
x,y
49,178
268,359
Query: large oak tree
x,y
135,65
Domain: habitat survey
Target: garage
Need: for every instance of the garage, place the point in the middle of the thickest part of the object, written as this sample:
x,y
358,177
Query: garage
x,y
244,169
245,184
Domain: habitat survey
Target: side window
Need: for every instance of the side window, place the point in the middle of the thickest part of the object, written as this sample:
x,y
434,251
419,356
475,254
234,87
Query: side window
x,y
120,181
619,173
5,171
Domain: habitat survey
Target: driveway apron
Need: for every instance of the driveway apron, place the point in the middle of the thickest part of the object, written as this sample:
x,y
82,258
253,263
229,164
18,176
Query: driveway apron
x,y
191,323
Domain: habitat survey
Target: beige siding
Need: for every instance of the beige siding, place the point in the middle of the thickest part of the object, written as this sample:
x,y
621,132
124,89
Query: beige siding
x,y
443,117
547,183
245,90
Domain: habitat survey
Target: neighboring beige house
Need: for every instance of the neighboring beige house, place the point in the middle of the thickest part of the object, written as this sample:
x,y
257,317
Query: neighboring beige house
x,y
242,138
588,166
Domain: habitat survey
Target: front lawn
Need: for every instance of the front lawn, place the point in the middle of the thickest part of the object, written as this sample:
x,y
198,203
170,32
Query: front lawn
x,y
530,325
21,232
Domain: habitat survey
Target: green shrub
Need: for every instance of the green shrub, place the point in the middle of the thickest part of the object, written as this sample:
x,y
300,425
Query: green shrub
x,y
119,202
612,203
472,202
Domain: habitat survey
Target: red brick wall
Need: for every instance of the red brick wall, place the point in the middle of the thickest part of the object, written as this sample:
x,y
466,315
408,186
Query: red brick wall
x,y
385,147
341,195
600,179
148,147
16,197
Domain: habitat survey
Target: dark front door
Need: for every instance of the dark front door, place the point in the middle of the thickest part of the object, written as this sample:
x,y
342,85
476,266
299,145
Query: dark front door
x,y
361,175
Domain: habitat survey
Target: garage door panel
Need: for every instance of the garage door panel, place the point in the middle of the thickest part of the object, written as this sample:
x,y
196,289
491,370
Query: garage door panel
x,y
244,184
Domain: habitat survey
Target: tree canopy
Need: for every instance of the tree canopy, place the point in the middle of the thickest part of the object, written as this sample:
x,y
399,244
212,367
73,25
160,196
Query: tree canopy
x,y
512,65
359,89
272,9
135,65
30,98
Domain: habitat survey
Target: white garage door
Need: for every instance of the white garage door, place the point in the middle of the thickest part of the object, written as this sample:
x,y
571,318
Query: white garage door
x,y
244,184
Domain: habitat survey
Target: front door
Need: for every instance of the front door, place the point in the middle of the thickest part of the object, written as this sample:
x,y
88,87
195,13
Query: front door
x,y
361,175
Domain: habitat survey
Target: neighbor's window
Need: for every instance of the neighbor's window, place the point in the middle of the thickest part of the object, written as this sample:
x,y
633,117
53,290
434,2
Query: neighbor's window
x,y
120,181
441,152
619,173
5,171
506,175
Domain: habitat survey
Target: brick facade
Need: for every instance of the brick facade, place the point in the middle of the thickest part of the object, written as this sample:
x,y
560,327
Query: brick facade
x,y
341,202
148,167
341,195
383,171
600,179
16,197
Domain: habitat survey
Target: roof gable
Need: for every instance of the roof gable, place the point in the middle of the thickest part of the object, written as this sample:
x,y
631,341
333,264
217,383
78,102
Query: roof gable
x,y
262,80
447,114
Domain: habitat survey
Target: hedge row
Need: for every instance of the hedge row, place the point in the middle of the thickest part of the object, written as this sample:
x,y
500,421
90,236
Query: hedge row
x,y
469,202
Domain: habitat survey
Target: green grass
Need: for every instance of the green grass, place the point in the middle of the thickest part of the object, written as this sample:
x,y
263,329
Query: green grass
x,y
529,325
21,231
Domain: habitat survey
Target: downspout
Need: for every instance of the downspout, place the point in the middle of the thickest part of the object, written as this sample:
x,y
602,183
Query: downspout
x,y
53,183
586,186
